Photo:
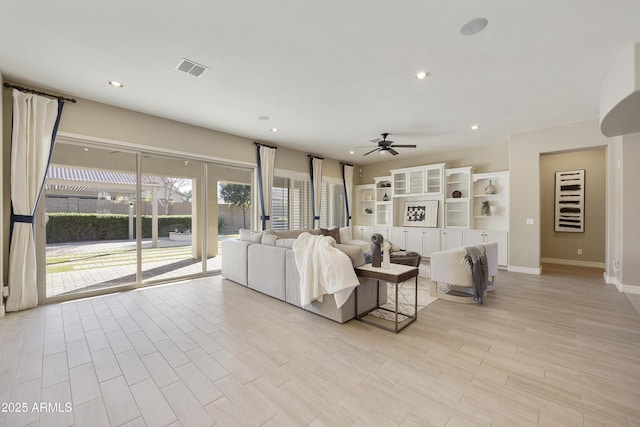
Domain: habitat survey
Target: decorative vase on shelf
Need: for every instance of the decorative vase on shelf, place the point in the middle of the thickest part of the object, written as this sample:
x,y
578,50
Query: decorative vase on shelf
x,y
490,189
385,198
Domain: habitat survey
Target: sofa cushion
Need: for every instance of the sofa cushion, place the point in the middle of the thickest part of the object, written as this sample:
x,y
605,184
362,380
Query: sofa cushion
x,y
250,236
331,232
365,246
266,270
286,234
285,243
269,239
354,253
235,259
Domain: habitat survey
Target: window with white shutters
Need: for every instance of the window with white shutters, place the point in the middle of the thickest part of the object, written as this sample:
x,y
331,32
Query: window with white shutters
x,y
280,203
290,203
332,209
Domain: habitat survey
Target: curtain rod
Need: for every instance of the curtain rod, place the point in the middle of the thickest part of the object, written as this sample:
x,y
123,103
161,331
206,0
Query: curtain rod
x,y
265,145
346,164
37,92
315,157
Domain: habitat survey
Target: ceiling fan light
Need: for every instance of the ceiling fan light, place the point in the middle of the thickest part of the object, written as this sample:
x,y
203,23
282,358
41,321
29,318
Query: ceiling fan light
x,y
384,151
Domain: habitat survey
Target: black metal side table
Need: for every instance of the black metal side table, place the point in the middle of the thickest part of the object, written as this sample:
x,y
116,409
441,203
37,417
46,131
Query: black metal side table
x,y
396,274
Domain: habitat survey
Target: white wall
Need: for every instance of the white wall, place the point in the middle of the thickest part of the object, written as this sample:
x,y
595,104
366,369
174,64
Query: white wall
x,y
630,200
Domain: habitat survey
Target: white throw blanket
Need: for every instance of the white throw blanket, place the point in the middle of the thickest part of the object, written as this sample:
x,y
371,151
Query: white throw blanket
x,y
323,269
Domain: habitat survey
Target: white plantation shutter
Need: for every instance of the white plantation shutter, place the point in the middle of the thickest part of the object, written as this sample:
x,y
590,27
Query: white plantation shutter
x,y
280,203
333,210
290,204
301,204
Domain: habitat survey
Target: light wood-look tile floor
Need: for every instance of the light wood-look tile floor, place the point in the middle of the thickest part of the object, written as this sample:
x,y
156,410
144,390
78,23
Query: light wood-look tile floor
x,y
561,349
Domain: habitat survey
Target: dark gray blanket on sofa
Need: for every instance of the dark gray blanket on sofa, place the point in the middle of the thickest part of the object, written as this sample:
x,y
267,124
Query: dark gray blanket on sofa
x,y
476,259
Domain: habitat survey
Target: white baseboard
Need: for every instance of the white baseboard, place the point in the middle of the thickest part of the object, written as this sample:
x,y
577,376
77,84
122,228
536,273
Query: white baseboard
x,y
631,289
526,270
621,287
575,263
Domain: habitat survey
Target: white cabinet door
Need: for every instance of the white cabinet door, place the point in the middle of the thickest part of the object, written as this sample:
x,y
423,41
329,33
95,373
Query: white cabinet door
x,y
431,241
473,237
450,239
415,238
398,237
502,238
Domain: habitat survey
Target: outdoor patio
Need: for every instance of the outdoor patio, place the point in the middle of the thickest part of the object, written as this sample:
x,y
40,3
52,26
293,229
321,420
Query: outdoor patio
x,y
82,266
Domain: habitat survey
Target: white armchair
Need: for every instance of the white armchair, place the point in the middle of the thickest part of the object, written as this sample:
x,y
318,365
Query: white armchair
x,y
449,271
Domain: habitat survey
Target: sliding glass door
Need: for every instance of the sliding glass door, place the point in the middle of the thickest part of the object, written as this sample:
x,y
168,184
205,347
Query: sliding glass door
x,y
116,219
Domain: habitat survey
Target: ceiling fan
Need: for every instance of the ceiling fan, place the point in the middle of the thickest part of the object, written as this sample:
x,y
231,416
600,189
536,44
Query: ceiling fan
x,y
385,146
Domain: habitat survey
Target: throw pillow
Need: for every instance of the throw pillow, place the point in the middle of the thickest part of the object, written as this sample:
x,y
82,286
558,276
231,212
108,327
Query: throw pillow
x,y
250,236
345,234
269,239
333,232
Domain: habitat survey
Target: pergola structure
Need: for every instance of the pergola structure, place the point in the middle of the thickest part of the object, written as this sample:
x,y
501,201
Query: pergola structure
x,y
70,182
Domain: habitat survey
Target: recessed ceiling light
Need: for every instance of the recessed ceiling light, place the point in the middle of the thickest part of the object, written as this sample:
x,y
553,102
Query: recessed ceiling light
x,y
85,149
274,129
474,26
475,127
263,117
351,152
421,75
115,84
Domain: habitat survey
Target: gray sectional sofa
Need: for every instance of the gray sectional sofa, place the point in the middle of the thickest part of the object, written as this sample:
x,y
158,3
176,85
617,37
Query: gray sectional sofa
x,y
265,262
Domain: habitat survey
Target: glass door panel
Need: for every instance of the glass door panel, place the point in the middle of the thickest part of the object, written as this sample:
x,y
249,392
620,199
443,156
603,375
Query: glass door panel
x,y
89,200
229,208
172,221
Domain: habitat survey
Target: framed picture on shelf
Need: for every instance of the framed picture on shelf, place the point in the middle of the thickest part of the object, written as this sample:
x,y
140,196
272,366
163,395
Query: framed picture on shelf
x,y
420,213
569,207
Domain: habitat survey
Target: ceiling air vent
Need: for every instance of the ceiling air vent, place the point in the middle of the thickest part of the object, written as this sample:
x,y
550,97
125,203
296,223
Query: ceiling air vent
x,y
190,67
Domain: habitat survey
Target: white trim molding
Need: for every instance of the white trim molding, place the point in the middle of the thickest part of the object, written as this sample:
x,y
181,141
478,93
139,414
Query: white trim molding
x,y
573,262
525,270
621,287
631,289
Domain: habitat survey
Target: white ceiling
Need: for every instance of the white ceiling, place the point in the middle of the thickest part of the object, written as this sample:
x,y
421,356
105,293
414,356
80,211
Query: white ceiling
x,y
330,74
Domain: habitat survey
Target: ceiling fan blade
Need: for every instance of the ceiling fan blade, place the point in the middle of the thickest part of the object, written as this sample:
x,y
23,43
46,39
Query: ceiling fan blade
x,y
405,146
392,151
375,149
375,140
